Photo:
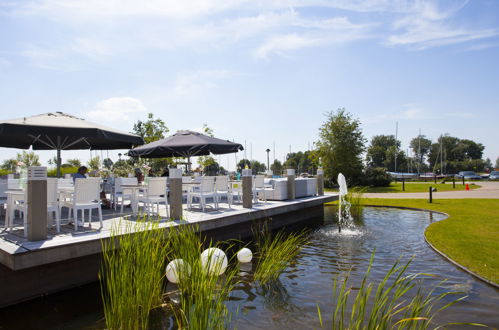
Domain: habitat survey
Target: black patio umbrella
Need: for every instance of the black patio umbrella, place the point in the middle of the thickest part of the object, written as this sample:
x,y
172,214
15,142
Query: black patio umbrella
x,y
60,131
185,144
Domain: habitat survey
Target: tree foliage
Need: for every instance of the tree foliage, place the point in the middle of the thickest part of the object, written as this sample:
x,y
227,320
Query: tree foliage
x,y
420,146
340,146
300,161
94,163
255,166
9,165
29,158
276,167
456,154
150,130
382,152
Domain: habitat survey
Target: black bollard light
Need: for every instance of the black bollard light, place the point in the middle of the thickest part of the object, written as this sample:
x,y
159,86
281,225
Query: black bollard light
x,y
454,183
431,194
403,184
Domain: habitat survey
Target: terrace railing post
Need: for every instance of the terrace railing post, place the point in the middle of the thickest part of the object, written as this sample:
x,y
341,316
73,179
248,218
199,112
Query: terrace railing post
x,y
247,189
291,183
431,194
176,193
36,203
320,182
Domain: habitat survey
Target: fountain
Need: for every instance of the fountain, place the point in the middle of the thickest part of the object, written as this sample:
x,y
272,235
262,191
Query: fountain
x,y
344,217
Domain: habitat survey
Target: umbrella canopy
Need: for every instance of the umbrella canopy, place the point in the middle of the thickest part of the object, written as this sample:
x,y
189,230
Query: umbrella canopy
x,y
185,144
60,131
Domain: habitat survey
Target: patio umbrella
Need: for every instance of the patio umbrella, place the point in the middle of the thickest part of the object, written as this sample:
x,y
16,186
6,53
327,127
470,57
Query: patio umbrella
x,y
60,131
185,144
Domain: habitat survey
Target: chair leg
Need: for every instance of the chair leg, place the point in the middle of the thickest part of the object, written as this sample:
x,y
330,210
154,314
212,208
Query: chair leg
x,y
90,218
57,220
100,216
25,222
75,218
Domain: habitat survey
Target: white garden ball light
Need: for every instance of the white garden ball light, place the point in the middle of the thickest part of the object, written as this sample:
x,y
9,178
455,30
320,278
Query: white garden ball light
x,y
244,255
214,261
174,268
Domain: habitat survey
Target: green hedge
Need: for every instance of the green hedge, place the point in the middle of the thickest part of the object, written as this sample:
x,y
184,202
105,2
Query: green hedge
x,y
64,170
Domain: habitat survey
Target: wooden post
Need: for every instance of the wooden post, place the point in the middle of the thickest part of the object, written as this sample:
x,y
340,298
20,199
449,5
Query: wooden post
x,y
291,184
320,182
176,194
247,179
37,203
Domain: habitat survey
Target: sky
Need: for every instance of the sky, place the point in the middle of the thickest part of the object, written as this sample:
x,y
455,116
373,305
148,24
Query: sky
x,y
261,73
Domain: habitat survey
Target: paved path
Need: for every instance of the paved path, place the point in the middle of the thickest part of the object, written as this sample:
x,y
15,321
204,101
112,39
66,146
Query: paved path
x,y
488,190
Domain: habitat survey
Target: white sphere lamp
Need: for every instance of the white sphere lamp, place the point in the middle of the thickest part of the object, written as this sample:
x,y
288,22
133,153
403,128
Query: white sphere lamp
x,y
244,255
214,261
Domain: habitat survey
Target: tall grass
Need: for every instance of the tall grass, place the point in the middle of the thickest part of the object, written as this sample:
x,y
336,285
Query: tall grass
x,y
275,253
132,274
354,197
386,307
202,295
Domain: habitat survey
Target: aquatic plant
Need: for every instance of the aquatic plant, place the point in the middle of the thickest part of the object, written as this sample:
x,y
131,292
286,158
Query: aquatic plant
x,y
202,293
387,306
354,197
275,252
131,275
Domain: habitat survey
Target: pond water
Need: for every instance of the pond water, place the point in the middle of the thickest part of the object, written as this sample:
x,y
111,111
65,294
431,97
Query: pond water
x,y
292,301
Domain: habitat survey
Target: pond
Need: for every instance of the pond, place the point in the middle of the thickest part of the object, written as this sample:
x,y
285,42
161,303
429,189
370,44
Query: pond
x,y
292,301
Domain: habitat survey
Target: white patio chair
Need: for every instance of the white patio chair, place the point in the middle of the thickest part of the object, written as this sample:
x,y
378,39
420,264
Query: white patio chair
x,y
3,195
259,188
236,191
52,205
13,183
222,189
206,190
155,194
120,194
86,196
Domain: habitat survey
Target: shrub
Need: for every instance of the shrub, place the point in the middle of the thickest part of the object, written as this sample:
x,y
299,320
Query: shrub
x,y
376,177
64,170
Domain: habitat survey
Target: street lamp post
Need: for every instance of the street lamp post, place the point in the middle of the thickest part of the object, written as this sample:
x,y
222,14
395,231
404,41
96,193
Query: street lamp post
x,y
268,161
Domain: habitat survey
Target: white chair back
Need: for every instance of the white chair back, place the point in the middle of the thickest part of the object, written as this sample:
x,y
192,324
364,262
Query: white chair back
x,y
121,181
259,181
156,186
52,195
222,183
186,179
87,190
207,184
67,176
198,179
3,187
65,183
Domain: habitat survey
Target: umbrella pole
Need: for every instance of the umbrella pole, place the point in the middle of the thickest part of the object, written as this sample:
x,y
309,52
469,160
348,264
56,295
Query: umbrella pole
x,y
58,163
189,165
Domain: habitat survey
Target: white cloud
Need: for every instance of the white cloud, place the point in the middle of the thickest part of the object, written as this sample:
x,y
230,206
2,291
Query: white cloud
x,y
429,26
117,109
192,83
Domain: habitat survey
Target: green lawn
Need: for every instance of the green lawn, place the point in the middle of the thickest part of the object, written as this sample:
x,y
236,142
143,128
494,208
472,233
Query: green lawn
x,y
470,235
396,187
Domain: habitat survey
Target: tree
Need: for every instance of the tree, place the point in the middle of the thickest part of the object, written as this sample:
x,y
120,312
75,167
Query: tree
x,y
420,146
210,165
487,165
9,165
29,158
497,162
153,130
381,152
340,146
207,130
73,163
301,161
255,166
276,167
94,163
454,154
108,163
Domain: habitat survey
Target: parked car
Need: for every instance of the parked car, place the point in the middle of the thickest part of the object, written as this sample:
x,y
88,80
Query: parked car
x,y
468,175
494,175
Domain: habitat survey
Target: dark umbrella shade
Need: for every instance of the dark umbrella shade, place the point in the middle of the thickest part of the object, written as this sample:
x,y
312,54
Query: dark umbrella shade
x,y
60,131
185,144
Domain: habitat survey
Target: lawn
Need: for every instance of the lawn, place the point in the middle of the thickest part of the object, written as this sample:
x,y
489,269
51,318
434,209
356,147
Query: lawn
x,y
396,187
470,235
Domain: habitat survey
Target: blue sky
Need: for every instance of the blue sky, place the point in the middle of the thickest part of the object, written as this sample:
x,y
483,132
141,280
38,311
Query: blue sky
x,y
256,71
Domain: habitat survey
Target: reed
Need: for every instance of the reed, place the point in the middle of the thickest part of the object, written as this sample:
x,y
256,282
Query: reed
x,y
131,275
354,197
275,252
202,295
386,307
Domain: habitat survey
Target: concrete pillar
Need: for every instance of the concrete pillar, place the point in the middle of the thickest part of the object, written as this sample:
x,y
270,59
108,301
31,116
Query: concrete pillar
x,y
291,184
176,193
320,182
37,203
247,189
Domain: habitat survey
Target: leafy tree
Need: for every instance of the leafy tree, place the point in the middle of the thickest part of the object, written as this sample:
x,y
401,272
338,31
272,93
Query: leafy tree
x,y
94,163
150,130
9,165
73,163
340,146
153,130
300,161
29,158
457,154
52,161
207,130
276,167
487,165
210,166
420,146
255,166
497,162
